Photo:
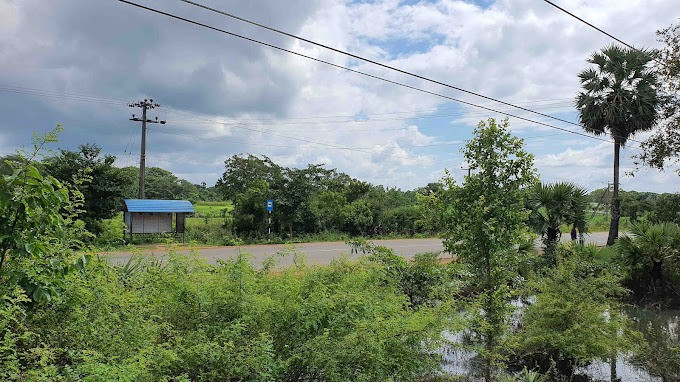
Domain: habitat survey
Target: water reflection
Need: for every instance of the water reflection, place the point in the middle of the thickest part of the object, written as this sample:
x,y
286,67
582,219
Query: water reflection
x,y
657,361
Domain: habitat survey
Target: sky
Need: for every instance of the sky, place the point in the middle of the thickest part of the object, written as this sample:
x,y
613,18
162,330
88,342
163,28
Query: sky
x,y
79,63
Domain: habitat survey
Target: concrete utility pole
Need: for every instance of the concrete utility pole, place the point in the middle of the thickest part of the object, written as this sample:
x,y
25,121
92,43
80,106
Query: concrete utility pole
x,y
145,105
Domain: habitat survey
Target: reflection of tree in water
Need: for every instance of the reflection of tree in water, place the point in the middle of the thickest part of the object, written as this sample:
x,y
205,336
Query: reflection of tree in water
x,y
659,353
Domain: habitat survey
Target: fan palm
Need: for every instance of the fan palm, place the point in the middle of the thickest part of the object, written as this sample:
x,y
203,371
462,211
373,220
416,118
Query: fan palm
x,y
619,97
554,205
652,255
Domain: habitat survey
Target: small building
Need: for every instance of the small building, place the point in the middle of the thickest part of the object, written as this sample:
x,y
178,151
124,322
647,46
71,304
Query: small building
x,y
153,216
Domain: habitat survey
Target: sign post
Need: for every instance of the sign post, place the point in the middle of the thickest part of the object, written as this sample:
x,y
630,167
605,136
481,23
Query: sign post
x,y
270,208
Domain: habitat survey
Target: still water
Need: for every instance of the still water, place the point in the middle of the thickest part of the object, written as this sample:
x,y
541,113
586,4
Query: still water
x,y
459,361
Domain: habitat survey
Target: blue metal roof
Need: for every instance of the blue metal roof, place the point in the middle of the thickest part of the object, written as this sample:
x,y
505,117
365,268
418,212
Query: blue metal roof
x,y
158,205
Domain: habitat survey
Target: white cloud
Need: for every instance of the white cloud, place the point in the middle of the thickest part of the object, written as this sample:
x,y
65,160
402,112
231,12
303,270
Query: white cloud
x,y
518,50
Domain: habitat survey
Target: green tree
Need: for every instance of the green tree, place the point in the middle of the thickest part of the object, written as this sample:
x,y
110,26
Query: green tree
x,y
358,217
327,209
241,172
101,184
666,208
160,184
37,232
249,210
554,205
293,195
484,222
664,146
620,98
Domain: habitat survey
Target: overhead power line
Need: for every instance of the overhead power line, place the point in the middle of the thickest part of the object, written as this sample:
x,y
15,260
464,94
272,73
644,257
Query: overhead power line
x,y
355,56
60,95
555,103
589,24
378,77
314,124
370,61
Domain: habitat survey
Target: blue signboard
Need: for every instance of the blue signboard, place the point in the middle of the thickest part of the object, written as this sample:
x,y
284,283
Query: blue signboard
x,y
270,205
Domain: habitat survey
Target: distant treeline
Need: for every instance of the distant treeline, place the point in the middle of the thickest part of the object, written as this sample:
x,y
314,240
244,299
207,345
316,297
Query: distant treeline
x,y
307,201
649,206
315,199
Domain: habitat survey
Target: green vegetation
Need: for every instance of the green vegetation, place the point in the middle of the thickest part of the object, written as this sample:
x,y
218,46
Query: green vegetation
x,y
185,321
663,147
572,320
485,221
619,98
651,255
65,316
38,232
552,206
314,200
212,209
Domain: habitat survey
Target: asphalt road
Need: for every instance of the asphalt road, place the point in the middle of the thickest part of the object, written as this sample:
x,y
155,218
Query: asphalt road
x,y
314,253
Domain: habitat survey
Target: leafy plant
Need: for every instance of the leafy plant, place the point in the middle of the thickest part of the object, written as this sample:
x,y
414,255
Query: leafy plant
x,y
571,318
651,254
37,232
484,222
553,205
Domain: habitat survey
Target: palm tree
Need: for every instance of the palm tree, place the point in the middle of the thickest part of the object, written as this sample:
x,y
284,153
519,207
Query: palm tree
x,y
619,97
652,256
554,205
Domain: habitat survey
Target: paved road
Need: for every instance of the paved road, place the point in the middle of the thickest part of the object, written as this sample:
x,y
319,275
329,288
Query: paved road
x,y
315,253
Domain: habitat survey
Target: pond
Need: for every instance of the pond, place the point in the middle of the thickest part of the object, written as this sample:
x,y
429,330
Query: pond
x,y
659,327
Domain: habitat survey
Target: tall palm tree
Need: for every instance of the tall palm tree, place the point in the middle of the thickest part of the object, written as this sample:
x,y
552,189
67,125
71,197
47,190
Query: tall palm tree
x,y
619,97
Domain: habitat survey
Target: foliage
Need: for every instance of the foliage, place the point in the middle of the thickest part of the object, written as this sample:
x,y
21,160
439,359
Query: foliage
x,y
651,257
424,280
571,319
666,209
249,211
14,335
524,376
159,184
37,233
100,183
484,222
663,147
649,206
553,205
620,98
314,199
186,320
242,173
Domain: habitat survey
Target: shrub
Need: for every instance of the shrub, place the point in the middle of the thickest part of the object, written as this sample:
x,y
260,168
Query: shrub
x,y
572,319
184,319
651,257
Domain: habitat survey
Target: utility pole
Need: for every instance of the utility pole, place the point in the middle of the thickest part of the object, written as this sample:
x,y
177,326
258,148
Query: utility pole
x,y
146,104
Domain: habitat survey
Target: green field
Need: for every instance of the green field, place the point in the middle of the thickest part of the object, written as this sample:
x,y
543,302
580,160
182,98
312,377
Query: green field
x,y
599,222
211,209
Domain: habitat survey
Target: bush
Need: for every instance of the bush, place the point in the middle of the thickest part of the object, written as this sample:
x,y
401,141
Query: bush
x,y
571,319
651,258
186,320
